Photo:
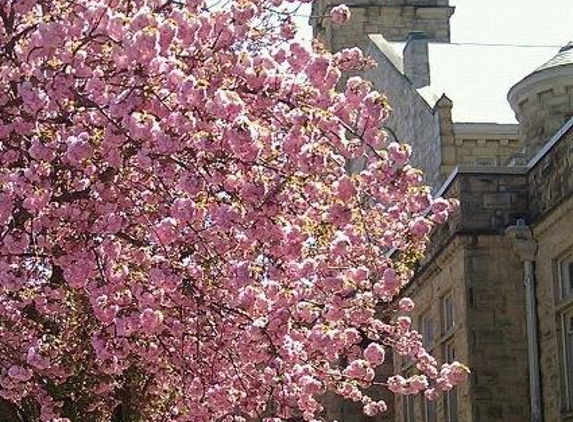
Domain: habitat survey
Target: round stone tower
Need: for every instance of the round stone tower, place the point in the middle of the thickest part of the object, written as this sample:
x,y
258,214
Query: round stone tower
x,y
543,100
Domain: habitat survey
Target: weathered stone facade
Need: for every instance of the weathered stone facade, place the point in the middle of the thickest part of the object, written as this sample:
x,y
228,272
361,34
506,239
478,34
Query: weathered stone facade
x,y
425,122
551,179
481,145
412,120
442,276
551,193
489,334
489,276
554,238
395,18
506,177
543,101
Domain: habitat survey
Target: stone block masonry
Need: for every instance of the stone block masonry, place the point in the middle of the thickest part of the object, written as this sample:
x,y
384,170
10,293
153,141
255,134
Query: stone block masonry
x,y
393,19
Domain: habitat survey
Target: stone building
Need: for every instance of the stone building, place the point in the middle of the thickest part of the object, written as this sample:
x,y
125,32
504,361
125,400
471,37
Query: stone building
x,y
495,290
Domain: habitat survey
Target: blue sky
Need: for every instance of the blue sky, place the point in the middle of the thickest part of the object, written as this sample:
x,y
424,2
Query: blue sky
x,y
537,22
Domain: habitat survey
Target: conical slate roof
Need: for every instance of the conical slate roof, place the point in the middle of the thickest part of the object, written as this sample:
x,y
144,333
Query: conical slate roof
x,y
563,58
557,70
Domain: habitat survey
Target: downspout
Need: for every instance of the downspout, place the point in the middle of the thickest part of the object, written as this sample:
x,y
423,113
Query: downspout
x,y
525,247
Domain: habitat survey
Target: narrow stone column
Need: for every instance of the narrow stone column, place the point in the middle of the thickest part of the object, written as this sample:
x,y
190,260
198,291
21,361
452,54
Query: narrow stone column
x,y
417,59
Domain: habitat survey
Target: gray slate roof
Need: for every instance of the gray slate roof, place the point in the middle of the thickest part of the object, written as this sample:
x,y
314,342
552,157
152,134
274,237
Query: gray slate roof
x,y
563,58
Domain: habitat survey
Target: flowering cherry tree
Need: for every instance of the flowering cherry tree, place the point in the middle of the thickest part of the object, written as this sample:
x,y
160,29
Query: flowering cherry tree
x,y
180,238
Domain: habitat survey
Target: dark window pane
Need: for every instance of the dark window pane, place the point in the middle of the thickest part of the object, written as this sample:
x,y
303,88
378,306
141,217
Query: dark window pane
x,y
569,358
429,411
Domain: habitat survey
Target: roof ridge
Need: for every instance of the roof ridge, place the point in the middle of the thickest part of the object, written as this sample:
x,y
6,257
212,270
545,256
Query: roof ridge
x,y
566,47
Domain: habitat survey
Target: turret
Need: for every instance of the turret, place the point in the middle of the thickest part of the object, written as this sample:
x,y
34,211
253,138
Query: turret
x,y
543,100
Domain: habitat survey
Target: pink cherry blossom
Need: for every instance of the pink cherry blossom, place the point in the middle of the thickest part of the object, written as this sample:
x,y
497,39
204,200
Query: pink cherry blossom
x,y
150,320
420,227
180,238
406,304
375,354
34,358
345,188
340,14
19,373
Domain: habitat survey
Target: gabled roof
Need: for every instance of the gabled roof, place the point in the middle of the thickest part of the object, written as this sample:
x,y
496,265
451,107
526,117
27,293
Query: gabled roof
x,y
477,77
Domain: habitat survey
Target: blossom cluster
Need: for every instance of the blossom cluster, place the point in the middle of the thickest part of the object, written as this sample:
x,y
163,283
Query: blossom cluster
x,y
179,237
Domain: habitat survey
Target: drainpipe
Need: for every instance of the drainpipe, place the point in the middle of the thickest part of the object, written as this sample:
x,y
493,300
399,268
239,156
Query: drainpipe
x,y
525,247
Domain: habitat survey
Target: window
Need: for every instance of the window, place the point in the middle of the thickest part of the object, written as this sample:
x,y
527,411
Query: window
x,y
429,411
568,358
449,352
451,397
564,318
566,277
427,330
448,321
409,415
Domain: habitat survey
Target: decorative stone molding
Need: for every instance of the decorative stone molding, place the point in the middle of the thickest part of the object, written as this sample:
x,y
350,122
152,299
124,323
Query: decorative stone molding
x,y
522,240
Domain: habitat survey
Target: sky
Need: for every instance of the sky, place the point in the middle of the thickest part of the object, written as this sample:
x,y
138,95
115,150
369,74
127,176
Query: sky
x,y
537,22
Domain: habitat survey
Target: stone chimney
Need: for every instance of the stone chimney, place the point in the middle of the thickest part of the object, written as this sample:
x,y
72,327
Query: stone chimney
x,y
416,59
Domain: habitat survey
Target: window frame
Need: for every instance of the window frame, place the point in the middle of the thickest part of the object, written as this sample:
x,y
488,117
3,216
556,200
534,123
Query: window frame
x,y
565,278
451,408
409,404
566,325
427,341
430,410
448,329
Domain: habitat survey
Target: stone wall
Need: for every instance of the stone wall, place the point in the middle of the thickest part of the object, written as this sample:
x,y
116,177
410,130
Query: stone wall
x,y
486,140
484,151
551,178
474,144
554,238
542,110
412,120
491,199
443,108
496,330
471,256
550,191
444,275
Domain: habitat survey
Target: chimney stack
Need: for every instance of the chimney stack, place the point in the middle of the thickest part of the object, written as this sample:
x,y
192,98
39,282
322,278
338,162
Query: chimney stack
x,y
416,59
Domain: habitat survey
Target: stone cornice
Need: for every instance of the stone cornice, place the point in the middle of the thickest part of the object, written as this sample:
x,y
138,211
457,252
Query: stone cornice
x,y
537,82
